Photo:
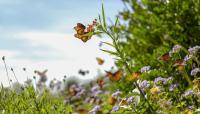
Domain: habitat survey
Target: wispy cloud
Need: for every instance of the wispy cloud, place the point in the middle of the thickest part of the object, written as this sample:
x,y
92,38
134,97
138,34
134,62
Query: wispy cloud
x,y
39,34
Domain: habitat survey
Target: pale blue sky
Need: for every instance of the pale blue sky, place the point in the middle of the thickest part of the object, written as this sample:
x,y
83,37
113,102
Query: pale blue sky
x,y
33,31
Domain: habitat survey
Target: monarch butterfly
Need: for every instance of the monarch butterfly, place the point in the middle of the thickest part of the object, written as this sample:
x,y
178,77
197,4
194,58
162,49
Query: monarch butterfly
x,y
165,57
134,76
112,101
100,82
179,64
81,33
82,111
100,61
114,76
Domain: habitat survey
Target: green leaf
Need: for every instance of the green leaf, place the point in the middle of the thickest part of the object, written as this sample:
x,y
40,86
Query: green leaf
x,y
104,18
116,22
110,52
108,44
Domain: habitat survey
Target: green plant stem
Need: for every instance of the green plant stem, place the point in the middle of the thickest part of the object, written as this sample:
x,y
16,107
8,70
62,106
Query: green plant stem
x,y
7,72
128,68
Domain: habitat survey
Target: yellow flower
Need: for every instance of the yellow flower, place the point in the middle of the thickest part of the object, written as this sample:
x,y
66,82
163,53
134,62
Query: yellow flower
x,y
154,90
190,112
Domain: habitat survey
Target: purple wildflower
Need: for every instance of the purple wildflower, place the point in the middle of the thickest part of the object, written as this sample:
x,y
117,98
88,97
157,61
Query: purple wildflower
x,y
169,79
115,108
195,71
187,93
117,93
176,49
193,50
144,84
173,86
145,69
95,90
160,80
95,109
130,99
187,58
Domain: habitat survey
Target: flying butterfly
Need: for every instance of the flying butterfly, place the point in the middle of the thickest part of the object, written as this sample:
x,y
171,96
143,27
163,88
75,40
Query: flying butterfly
x,y
100,61
179,64
135,76
82,111
82,72
116,76
101,83
165,57
81,33
112,100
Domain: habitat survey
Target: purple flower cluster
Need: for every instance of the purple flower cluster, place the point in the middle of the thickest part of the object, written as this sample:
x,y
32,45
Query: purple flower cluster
x,y
144,84
195,71
187,93
193,50
115,108
176,49
95,90
130,100
145,69
173,86
160,80
117,93
95,109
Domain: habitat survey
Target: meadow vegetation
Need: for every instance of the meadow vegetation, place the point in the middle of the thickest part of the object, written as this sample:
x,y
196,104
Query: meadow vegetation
x,y
156,48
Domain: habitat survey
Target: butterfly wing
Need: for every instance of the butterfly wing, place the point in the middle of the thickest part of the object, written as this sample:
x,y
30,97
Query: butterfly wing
x,y
165,57
100,61
115,76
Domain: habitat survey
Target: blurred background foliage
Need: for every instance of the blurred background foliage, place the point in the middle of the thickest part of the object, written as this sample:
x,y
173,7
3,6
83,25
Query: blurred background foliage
x,y
150,28
154,26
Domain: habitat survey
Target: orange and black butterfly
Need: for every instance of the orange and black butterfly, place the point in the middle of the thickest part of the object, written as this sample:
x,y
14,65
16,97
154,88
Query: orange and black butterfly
x,y
114,76
165,57
81,33
82,111
112,100
100,61
135,76
179,64
101,83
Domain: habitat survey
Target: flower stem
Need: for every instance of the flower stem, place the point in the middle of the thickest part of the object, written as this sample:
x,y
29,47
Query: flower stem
x,y
128,68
